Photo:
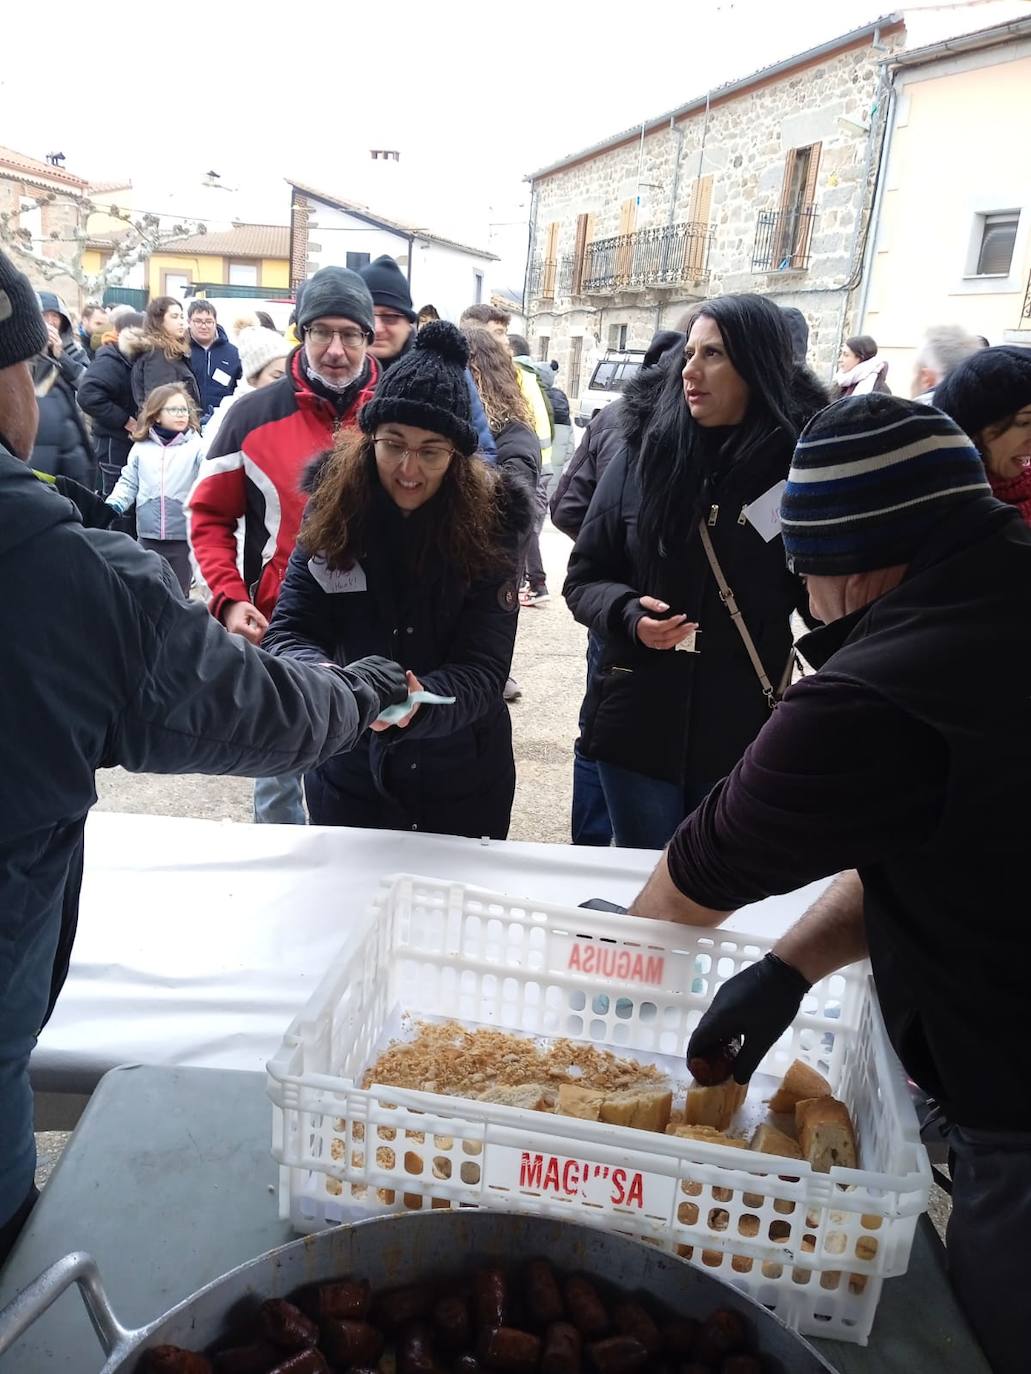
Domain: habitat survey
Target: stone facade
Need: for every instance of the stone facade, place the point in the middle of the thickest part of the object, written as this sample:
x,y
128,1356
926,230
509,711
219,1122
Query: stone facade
x,y
741,144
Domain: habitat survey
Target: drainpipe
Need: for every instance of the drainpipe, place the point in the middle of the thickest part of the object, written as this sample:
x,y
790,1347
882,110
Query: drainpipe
x,y
411,250
875,209
531,237
640,167
679,135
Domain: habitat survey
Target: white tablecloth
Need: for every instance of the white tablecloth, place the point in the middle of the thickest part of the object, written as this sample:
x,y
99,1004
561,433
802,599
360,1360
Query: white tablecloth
x,y
199,941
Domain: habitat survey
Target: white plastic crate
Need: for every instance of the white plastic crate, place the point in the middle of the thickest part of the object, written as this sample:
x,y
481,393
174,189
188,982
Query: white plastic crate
x,y
812,1247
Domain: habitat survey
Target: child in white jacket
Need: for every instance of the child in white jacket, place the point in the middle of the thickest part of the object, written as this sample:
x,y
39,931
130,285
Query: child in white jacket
x,y
159,473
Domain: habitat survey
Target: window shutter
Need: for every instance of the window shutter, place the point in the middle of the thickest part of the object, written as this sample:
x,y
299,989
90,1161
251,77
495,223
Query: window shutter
x,y
579,249
998,238
805,216
550,264
624,251
698,218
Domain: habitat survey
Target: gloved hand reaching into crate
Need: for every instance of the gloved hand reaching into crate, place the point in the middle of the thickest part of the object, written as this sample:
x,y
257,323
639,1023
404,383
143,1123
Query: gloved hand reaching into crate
x,y
757,1005
376,682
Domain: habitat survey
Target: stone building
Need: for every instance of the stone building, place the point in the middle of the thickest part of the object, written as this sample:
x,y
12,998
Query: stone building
x,y
44,201
764,184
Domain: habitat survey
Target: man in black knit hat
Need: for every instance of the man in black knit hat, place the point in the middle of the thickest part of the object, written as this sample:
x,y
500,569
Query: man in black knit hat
x,y
395,322
900,765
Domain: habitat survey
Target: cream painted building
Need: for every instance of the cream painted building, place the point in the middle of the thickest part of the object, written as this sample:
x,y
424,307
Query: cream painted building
x,y
952,236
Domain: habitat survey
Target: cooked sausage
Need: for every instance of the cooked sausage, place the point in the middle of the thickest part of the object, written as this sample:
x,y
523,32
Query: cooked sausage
x,y
510,1351
415,1350
452,1321
543,1296
347,1300
347,1342
303,1362
258,1358
400,1306
170,1359
285,1325
618,1355
491,1294
680,1336
634,1320
724,1332
467,1364
563,1350
585,1308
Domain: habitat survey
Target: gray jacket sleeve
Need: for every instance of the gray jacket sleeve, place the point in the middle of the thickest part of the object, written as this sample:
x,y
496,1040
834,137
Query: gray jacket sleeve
x,y
205,701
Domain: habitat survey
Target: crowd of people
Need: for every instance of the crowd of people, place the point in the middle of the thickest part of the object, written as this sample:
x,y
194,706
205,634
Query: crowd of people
x,y
357,508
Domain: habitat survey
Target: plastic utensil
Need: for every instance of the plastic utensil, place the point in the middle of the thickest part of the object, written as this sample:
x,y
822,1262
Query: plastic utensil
x,y
395,713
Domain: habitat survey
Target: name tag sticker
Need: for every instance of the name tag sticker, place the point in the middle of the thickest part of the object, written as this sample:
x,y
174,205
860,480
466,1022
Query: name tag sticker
x,y
338,579
764,514
222,377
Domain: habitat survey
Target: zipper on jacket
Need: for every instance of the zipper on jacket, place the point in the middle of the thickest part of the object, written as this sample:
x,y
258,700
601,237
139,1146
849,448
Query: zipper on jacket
x,y
163,454
714,515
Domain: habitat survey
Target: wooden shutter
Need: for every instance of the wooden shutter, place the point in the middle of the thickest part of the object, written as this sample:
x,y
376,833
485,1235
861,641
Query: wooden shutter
x,y
783,238
550,263
698,215
624,250
804,219
579,249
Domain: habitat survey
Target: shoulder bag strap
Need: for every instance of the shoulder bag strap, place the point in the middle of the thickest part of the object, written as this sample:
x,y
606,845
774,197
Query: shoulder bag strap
x,y
734,610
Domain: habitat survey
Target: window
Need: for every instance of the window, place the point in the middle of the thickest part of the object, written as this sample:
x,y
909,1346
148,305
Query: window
x,y
576,348
354,261
543,344
477,288
998,237
243,274
617,336
793,231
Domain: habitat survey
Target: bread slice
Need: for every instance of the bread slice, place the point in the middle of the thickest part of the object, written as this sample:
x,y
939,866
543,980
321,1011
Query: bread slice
x,y
584,1103
644,1110
532,1097
714,1106
825,1133
708,1133
799,1083
769,1141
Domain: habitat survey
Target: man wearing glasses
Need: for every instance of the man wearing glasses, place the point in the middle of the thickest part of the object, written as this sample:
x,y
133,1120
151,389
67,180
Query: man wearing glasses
x,y
255,468
395,327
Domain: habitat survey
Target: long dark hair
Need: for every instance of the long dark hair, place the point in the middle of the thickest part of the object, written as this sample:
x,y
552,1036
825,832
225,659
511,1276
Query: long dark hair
x,y
677,469
463,533
495,376
863,346
155,333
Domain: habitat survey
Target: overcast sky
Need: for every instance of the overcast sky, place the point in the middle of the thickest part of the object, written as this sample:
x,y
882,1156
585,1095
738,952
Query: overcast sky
x,y
474,95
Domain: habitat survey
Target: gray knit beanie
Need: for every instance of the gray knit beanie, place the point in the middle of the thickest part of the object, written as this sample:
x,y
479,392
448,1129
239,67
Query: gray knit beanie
x,y
335,291
23,333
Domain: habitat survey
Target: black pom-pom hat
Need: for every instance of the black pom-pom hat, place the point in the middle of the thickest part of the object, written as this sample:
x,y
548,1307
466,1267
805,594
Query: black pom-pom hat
x,y
427,388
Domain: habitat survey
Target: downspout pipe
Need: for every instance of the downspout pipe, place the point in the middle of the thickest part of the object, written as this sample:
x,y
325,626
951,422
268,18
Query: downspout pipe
x,y
870,247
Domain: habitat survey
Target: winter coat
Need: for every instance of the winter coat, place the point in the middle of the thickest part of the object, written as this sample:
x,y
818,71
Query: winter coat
x,y
533,395
74,358
154,368
254,470
603,439
104,664
158,479
62,446
105,394
216,370
451,771
677,716
868,375
519,453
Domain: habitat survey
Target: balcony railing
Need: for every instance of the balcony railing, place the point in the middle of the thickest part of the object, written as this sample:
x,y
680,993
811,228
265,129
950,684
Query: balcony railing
x,y
1025,314
566,274
669,255
783,239
542,279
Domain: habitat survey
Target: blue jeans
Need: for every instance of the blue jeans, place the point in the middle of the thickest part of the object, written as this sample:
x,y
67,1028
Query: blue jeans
x,y
589,822
646,811
279,801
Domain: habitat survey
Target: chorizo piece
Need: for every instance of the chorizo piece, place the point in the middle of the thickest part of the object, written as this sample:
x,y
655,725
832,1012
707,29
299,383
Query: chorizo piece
x,y
415,1350
618,1355
258,1358
348,1342
543,1295
563,1349
510,1351
286,1326
491,1296
400,1306
170,1359
451,1319
634,1320
308,1361
680,1336
585,1308
347,1300
724,1332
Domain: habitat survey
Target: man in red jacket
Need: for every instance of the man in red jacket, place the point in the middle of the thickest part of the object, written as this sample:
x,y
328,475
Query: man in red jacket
x,y
255,468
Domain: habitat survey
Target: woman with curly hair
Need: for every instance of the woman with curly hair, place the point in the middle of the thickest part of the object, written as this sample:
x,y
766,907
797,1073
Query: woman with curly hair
x,y
409,548
166,351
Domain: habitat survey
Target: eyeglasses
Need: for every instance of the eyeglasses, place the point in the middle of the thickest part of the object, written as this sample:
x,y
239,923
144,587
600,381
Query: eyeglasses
x,y
175,410
431,459
322,335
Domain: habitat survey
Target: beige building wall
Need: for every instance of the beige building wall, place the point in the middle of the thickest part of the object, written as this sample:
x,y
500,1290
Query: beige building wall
x,y
958,152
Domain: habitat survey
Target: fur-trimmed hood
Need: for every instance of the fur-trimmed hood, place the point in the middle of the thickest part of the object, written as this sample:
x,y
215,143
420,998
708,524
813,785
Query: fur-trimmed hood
x,y
131,343
642,397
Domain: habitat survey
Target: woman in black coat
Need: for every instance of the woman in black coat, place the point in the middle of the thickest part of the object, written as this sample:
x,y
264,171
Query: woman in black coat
x,y
410,543
710,433
105,394
166,353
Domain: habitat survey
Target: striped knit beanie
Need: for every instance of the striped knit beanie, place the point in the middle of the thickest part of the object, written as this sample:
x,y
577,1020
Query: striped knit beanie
x,y
871,474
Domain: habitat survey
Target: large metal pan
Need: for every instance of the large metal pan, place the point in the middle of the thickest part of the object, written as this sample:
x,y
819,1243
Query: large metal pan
x,y
402,1249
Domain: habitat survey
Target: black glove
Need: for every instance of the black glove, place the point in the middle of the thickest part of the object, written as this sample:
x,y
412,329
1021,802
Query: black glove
x,y
758,1004
602,904
385,678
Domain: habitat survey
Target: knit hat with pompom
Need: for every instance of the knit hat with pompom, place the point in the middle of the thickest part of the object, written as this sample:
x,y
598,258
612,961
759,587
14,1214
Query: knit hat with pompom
x,y
427,389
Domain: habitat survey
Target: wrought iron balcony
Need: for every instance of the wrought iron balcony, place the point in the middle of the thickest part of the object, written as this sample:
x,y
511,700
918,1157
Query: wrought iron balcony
x,y
566,274
669,255
783,239
542,279
1025,314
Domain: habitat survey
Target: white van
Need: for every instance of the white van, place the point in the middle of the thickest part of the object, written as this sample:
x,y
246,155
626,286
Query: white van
x,y
608,379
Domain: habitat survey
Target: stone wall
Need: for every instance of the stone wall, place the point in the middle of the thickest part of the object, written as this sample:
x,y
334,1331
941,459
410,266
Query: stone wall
x,y
61,217
741,142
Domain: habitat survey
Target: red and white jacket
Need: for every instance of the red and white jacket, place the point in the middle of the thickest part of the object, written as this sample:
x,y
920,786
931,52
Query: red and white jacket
x,y
255,469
